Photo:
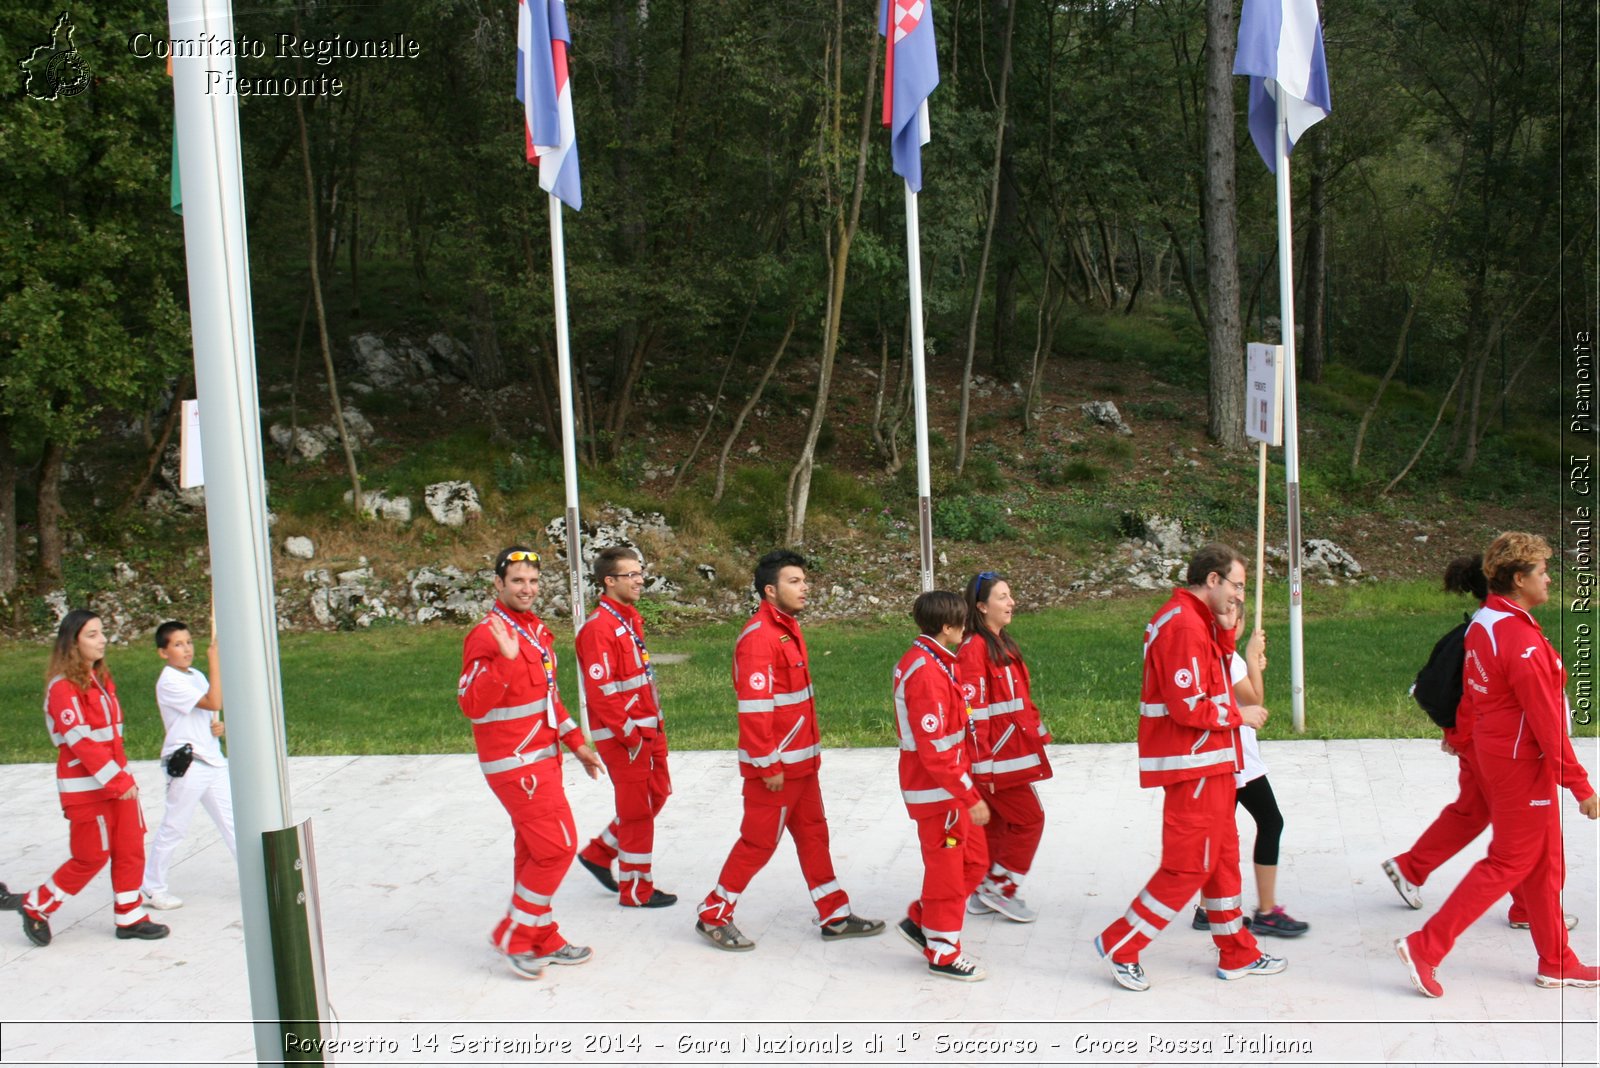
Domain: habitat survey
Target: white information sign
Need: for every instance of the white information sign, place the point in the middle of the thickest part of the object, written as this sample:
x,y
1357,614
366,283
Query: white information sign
x,y
189,472
1263,405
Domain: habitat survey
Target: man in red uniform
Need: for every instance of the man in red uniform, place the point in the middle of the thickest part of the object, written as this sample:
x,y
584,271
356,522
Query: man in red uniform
x,y
626,726
937,748
1514,694
1189,746
508,692
779,752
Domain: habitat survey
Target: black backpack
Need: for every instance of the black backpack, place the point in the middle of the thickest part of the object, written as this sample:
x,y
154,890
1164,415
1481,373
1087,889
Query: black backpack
x,y
1438,685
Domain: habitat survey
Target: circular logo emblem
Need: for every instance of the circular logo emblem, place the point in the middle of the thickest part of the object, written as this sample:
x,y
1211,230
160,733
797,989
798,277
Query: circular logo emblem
x,y
970,691
930,723
1183,678
596,671
758,681
68,717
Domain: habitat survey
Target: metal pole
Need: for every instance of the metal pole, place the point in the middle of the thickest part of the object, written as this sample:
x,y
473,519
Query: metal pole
x,y
1291,431
919,390
236,505
569,436
1261,531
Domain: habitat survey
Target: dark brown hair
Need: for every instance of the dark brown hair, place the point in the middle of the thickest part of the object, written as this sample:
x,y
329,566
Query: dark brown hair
x,y
938,609
1465,574
1002,647
1214,557
607,562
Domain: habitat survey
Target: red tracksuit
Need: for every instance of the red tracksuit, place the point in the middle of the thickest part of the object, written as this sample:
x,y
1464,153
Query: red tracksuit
x,y
777,733
1459,822
630,735
91,777
1010,759
1514,687
1189,746
937,748
518,723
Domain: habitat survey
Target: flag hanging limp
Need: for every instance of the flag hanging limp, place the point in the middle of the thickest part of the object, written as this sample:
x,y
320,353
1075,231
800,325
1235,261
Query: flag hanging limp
x,y
1280,48
911,70
546,95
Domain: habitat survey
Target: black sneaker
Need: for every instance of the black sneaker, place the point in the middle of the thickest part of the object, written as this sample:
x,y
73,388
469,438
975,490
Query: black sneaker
x,y
9,902
1280,923
659,899
912,933
963,969
601,874
1202,924
852,926
36,928
145,929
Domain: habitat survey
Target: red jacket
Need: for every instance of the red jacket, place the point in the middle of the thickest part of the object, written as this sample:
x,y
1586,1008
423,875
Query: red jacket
x,y
87,725
777,711
1010,736
937,746
1514,688
514,706
623,702
1188,718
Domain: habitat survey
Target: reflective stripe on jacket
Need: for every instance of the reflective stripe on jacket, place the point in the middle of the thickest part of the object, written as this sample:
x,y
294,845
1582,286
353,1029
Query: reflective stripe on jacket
x,y
776,704
1188,718
516,721
1010,736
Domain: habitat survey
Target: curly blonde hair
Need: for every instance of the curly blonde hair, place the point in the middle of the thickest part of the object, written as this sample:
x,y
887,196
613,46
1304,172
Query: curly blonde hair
x,y
1511,554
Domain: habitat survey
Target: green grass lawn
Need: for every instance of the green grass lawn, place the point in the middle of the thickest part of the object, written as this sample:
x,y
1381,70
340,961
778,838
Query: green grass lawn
x,y
392,689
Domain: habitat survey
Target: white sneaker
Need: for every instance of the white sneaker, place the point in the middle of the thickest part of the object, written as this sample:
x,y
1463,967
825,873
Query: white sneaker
x,y
1262,965
976,906
1409,893
1567,917
163,901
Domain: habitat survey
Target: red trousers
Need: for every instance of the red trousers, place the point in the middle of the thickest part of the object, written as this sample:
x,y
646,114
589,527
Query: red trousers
x,y
642,786
1016,823
1461,821
767,813
101,830
545,844
1525,852
955,855
1199,851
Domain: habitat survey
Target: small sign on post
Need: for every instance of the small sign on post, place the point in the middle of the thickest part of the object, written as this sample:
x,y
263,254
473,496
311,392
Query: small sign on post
x,y
189,472
1263,419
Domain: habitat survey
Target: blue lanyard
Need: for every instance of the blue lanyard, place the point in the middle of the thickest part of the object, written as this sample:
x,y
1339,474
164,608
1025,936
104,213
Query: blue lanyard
x,y
644,654
544,657
951,675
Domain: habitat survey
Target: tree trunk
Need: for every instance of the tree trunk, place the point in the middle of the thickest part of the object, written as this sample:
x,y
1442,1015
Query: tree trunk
x,y
799,488
159,446
51,546
749,406
1443,404
716,402
988,240
8,513
1316,287
488,366
322,314
1226,401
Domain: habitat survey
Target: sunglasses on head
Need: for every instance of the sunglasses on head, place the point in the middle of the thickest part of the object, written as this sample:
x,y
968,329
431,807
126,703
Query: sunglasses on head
x,y
519,556
984,576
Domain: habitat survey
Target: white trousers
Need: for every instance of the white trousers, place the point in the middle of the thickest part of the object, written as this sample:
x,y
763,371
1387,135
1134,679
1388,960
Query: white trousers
x,y
201,785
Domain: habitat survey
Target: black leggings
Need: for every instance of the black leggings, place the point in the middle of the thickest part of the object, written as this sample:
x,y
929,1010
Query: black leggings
x,y
1256,797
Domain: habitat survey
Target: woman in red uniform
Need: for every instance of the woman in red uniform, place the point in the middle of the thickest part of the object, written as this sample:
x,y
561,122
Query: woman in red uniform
x,y
1514,693
98,794
1010,741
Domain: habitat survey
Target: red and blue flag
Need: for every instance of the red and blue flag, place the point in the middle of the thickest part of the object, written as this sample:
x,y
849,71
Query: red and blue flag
x,y
546,95
911,70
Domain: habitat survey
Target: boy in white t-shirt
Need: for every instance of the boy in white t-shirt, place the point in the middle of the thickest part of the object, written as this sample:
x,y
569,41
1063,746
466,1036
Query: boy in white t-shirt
x,y
189,705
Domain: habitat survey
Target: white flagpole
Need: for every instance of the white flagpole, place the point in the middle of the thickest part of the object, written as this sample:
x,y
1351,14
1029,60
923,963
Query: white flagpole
x,y
569,439
1261,531
919,389
1291,426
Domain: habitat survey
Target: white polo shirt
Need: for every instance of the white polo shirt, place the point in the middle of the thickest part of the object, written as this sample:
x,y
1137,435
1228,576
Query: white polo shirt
x,y
177,695
1254,768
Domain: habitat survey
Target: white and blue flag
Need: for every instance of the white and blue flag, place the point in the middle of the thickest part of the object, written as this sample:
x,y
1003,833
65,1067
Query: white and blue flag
x,y
1280,48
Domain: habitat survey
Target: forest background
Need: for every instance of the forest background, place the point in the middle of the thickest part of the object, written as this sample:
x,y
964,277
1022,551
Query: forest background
x,y
1095,225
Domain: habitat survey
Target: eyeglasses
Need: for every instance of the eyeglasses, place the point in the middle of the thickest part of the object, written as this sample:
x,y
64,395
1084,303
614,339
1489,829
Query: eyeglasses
x,y
1237,586
629,575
